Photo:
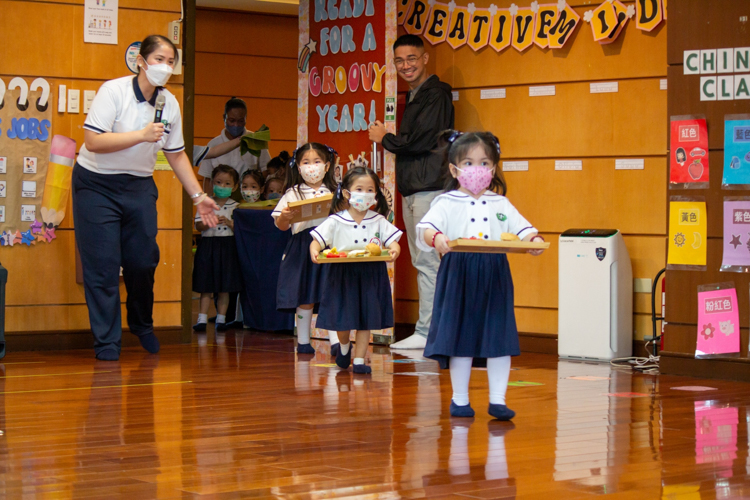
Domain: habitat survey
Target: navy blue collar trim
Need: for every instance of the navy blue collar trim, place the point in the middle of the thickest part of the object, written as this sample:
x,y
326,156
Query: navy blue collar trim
x,y
139,95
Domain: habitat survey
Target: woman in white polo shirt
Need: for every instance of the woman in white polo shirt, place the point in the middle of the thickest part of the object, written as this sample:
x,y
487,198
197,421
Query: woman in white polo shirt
x,y
114,195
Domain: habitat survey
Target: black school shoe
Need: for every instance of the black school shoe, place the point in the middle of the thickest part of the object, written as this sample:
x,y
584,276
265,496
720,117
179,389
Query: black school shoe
x,y
222,327
335,350
199,327
344,360
465,411
305,349
501,412
363,369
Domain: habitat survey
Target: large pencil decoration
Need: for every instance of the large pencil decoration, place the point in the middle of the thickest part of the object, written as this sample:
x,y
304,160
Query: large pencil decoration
x,y
59,174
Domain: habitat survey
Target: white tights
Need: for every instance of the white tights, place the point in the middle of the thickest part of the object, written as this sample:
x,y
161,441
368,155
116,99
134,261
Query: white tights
x,y
498,372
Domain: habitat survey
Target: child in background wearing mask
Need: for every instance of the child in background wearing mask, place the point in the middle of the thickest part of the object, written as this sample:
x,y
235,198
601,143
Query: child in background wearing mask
x,y
216,268
251,185
357,295
273,189
300,281
473,314
276,166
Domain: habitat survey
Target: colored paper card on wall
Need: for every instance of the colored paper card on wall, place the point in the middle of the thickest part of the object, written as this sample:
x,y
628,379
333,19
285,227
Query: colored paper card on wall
x,y
502,28
565,25
687,234
688,152
736,152
736,235
437,23
718,320
479,34
545,19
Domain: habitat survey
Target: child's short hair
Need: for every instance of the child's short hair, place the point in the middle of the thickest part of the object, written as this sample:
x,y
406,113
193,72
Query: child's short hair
x,y
227,170
278,161
255,174
456,145
339,203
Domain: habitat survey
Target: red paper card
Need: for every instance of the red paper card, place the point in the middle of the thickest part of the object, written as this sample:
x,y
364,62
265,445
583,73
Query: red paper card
x,y
688,152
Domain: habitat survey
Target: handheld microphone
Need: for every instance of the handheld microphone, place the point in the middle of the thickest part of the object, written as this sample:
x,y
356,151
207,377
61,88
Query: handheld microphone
x,y
159,106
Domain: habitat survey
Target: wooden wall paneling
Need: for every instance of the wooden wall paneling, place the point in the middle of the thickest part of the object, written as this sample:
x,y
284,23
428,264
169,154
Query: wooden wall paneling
x,y
536,320
226,74
572,123
59,285
635,54
169,204
701,25
246,33
682,288
682,339
276,113
684,99
66,54
596,196
56,318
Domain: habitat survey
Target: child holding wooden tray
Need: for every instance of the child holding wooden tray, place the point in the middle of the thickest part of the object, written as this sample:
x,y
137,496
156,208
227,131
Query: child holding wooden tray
x,y
473,313
357,295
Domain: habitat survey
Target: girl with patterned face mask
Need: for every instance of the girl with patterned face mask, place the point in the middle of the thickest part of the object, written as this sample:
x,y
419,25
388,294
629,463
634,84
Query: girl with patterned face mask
x,y
473,314
308,175
251,186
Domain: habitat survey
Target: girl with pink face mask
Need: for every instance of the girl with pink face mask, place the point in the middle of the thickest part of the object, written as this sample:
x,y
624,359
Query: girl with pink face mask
x,y
472,317
308,175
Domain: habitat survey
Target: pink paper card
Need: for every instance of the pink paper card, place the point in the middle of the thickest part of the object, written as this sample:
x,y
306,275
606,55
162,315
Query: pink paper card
x,y
718,321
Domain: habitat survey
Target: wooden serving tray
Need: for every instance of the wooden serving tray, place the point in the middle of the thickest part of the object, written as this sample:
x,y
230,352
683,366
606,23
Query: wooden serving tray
x,y
384,257
480,246
313,208
259,205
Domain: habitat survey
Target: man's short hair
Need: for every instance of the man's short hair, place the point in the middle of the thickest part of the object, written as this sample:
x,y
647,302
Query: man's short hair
x,y
408,41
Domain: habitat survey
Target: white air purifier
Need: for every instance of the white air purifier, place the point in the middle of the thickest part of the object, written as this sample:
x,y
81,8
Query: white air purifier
x,y
595,308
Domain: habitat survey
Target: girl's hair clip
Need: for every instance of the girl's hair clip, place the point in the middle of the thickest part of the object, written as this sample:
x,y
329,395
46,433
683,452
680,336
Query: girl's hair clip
x,y
332,152
454,135
497,143
338,189
293,161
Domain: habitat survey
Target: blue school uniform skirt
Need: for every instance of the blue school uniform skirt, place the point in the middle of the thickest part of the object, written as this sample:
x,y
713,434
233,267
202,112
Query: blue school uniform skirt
x,y
216,268
356,297
472,314
300,281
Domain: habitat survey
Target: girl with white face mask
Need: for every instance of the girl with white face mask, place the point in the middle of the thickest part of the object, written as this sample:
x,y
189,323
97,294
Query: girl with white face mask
x,y
114,194
308,175
473,314
357,296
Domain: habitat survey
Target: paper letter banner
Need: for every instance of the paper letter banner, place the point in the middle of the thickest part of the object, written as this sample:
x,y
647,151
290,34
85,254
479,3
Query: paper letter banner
x,y
688,152
523,27
736,152
458,26
479,34
403,7
437,23
564,26
648,14
502,28
687,234
545,18
736,235
718,320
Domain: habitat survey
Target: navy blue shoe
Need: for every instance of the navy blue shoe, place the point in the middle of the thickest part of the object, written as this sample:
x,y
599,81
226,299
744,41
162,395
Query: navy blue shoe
x,y
364,369
222,327
501,412
335,350
461,411
199,327
305,349
344,360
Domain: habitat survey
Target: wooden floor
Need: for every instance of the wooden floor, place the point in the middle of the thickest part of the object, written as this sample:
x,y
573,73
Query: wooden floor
x,y
242,416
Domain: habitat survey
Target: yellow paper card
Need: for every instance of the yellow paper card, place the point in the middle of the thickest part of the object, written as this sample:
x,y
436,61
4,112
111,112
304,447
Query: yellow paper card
x,y
687,233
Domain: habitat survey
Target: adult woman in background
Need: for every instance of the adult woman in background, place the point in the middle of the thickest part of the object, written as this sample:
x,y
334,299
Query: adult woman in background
x,y
114,195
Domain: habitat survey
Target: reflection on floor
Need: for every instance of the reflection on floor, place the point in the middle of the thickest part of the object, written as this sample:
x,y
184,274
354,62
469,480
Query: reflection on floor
x,y
241,415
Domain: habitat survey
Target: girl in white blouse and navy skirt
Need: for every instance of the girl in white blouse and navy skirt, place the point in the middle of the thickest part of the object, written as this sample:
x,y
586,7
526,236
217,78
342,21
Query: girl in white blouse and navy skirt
x,y
356,296
114,195
473,315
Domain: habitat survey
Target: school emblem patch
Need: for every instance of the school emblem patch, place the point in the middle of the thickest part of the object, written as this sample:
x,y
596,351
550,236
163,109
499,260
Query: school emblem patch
x,y
601,253
501,217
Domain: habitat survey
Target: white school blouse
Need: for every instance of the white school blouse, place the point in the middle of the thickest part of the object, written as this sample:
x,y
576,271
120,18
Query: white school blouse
x,y
458,215
341,231
119,106
220,229
291,195
234,158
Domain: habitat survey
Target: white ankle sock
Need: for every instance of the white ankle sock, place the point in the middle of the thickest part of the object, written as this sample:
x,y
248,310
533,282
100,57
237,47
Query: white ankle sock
x,y
460,369
358,361
221,318
498,372
345,348
202,318
333,337
304,320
